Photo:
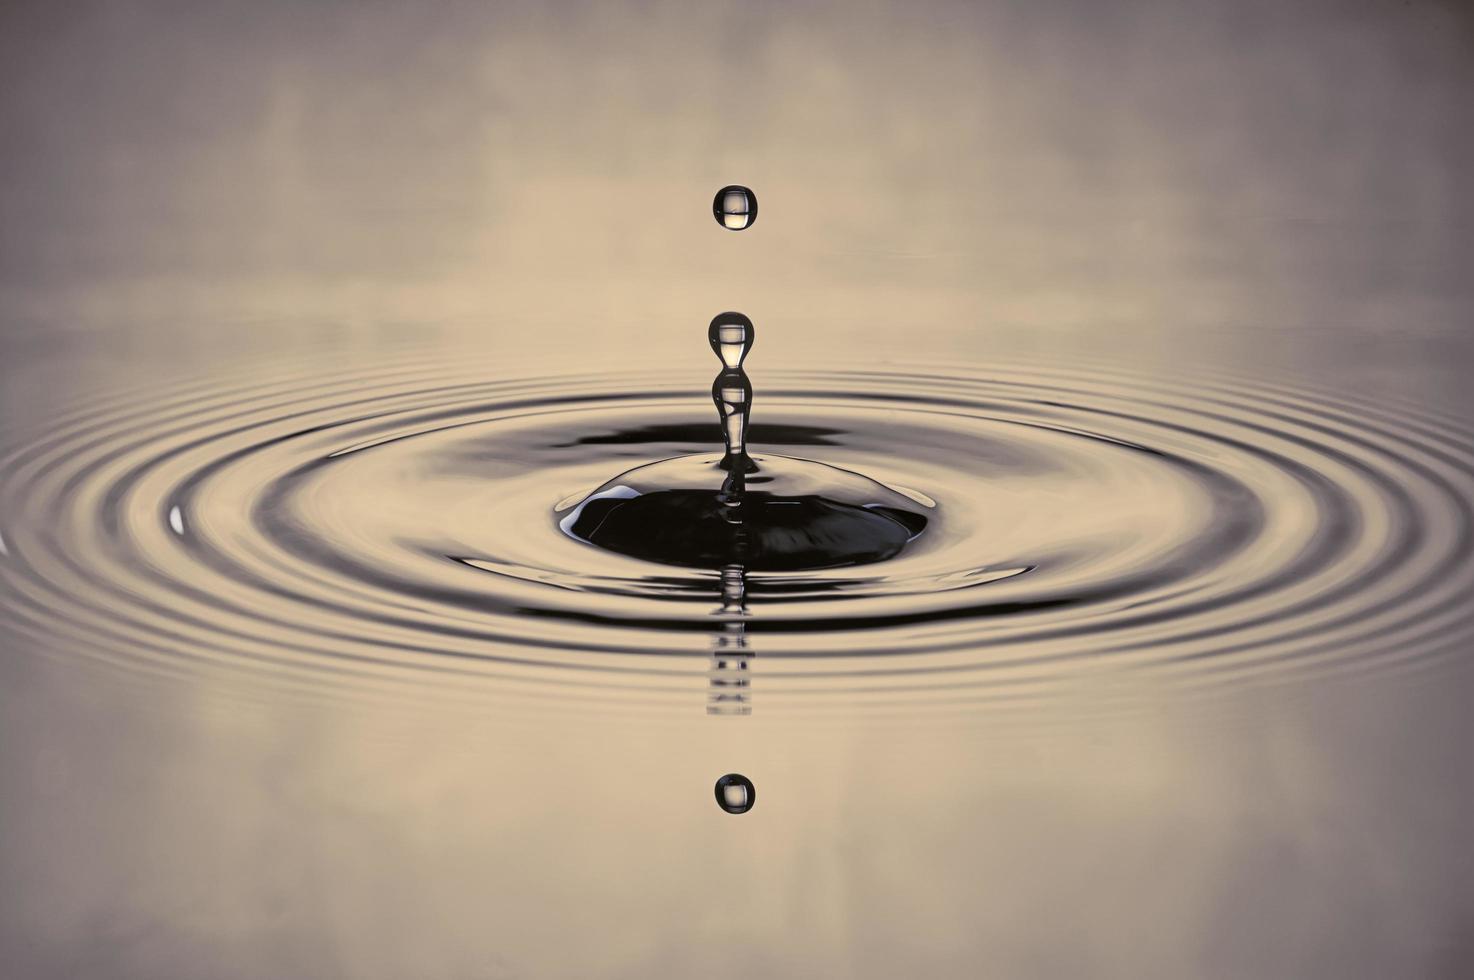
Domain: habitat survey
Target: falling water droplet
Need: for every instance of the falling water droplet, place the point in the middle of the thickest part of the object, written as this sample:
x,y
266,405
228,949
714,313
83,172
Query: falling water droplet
x,y
731,336
735,793
735,207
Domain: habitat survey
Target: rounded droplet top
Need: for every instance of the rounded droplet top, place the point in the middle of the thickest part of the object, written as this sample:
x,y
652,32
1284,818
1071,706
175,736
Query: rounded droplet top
x,y
735,207
735,793
731,336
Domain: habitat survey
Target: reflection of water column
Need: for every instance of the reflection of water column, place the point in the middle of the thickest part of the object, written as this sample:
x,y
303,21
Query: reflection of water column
x,y
729,654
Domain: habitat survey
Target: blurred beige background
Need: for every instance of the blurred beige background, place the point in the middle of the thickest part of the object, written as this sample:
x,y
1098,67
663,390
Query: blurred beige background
x,y
1126,169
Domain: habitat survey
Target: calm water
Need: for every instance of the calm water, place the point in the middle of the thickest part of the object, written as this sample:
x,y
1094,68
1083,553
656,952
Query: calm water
x,y
314,320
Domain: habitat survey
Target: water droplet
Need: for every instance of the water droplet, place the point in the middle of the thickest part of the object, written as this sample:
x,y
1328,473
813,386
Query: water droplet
x,y
735,207
735,793
731,336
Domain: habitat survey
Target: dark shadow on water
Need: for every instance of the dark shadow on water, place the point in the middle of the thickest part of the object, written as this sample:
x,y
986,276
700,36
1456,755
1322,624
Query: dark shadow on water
x,y
705,433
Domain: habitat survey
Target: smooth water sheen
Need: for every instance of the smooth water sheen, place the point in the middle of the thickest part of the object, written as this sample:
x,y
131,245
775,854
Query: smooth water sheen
x,y
1079,520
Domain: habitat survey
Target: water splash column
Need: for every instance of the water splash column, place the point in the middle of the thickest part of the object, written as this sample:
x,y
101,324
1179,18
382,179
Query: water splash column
x,y
731,336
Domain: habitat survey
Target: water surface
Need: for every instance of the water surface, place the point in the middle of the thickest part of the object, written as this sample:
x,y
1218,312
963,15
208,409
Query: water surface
x,y
312,318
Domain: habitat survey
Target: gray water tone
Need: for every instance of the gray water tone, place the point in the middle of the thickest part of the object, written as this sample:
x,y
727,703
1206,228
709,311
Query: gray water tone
x,y
312,316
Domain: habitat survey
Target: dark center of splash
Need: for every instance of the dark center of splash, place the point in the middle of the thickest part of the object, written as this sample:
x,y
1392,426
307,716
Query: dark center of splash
x,y
763,513
808,516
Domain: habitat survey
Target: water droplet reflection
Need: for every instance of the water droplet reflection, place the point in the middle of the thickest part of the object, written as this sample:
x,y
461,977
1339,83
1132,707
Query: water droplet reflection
x,y
729,651
735,793
735,207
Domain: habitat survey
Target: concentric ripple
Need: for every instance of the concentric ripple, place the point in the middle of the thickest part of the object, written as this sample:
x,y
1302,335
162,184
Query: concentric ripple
x,y
1089,527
